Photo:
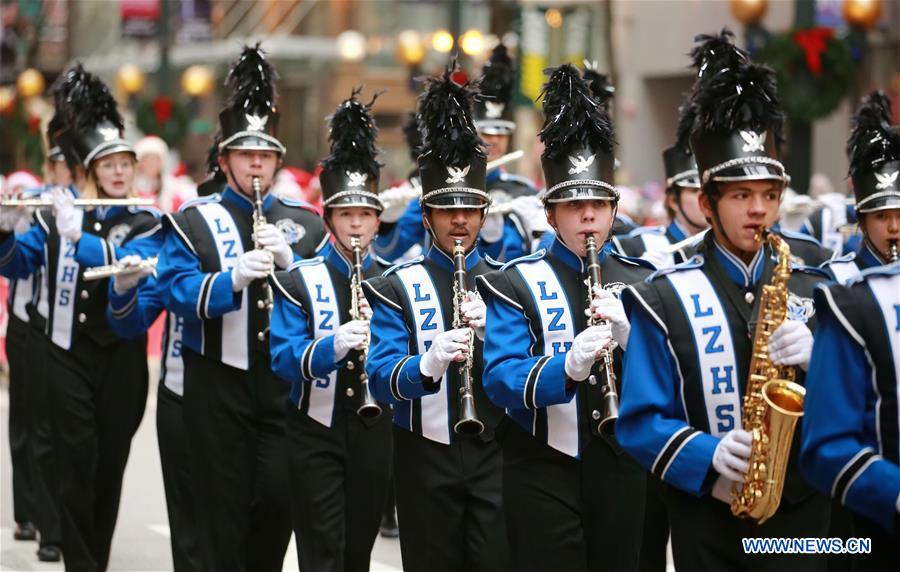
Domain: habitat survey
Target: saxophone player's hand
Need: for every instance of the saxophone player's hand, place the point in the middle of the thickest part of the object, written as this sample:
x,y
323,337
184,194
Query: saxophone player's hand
x,y
606,306
732,454
585,350
270,238
791,344
474,313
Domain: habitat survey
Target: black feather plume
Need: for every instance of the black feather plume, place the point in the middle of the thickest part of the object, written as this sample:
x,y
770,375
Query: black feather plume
x,y
60,91
445,120
573,117
873,140
715,52
598,82
352,134
687,115
413,135
743,96
498,76
88,103
252,80
212,159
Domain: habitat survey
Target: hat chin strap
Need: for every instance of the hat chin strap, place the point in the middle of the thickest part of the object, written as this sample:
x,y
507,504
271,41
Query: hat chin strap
x,y
682,213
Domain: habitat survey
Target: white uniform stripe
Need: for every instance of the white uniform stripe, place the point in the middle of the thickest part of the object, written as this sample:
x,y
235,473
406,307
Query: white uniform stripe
x,y
326,320
66,285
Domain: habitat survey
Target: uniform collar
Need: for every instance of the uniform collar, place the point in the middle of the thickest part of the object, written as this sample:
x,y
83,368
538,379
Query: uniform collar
x,y
560,250
244,203
103,213
445,261
868,258
494,176
676,231
745,276
341,263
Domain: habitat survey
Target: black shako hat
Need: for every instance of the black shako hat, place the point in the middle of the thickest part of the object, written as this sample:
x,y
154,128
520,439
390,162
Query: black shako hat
x,y
874,152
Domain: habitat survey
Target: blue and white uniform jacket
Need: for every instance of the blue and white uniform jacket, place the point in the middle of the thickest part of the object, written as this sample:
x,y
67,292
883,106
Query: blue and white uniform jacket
x,y
652,239
25,292
312,299
851,429
131,314
204,242
535,308
689,351
849,267
396,239
413,303
77,307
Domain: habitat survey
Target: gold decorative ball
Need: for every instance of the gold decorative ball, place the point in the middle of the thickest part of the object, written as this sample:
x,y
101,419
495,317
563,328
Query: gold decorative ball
x,y
197,81
30,83
748,11
862,13
130,78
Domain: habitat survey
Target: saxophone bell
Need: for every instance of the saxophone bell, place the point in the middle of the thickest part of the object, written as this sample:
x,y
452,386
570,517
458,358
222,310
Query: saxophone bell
x,y
368,406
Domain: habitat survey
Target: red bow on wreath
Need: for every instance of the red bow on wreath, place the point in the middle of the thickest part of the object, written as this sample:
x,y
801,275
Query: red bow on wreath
x,y
813,42
162,109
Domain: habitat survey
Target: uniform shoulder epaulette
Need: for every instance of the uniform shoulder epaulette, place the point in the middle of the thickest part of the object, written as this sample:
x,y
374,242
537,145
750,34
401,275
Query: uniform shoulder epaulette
x,y
214,198
383,261
396,267
849,257
696,261
524,181
799,236
631,260
527,258
306,262
892,269
493,263
814,270
646,230
146,209
297,203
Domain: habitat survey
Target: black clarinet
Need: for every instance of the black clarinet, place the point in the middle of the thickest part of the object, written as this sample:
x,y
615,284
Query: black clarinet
x,y
259,219
468,422
608,387
368,407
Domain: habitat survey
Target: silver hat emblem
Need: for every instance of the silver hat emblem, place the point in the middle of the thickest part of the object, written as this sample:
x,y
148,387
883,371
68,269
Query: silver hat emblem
x,y
580,164
256,123
109,133
493,110
886,180
457,175
753,141
356,179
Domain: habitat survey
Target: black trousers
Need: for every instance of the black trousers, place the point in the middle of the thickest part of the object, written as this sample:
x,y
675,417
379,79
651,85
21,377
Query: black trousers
x,y
706,536
234,421
885,553
568,514
45,474
20,433
656,529
173,456
98,399
449,504
339,483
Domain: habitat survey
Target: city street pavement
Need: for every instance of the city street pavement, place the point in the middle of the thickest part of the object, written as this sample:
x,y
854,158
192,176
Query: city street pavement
x,y
141,542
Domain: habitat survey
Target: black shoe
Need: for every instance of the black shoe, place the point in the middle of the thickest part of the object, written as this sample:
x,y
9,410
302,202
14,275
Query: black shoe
x,y
389,528
49,553
25,532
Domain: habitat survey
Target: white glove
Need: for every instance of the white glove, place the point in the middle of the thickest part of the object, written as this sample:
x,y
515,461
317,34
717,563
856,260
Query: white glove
x,y
898,503
605,305
658,258
530,212
492,229
350,336
732,453
365,311
9,218
791,344
252,265
475,313
68,217
396,199
585,351
447,347
125,282
721,489
269,237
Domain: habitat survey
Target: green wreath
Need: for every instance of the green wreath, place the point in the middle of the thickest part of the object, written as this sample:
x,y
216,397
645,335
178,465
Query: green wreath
x,y
164,117
814,71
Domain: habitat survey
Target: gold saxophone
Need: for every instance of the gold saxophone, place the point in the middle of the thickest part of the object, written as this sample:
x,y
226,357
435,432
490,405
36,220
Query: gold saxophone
x,y
773,402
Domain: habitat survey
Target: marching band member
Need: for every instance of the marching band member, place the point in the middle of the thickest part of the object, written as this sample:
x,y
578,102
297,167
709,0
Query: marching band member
x,y
689,350
877,208
338,437
217,254
98,382
567,486
850,431
422,351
